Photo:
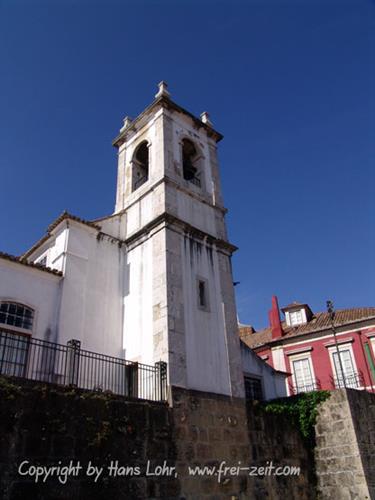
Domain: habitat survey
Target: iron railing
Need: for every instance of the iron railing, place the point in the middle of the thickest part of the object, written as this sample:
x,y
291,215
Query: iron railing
x,y
44,361
352,381
313,385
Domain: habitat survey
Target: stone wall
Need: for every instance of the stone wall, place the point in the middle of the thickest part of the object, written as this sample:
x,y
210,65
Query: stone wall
x,y
345,451
211,429
273,439
51,426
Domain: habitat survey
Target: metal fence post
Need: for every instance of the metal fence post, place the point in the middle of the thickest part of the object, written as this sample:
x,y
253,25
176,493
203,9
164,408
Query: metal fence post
x,y
161,367
72,362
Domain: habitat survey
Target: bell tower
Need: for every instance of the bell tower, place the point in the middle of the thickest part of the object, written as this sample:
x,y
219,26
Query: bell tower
x,y
179,304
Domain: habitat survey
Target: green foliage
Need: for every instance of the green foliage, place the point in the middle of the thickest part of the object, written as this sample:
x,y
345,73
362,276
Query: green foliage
x,y
301,409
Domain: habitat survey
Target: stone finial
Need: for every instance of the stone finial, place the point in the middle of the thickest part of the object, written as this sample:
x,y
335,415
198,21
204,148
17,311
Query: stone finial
x,y
163,90
205,117
127,123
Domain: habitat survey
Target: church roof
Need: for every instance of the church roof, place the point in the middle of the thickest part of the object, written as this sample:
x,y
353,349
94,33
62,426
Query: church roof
x,y
24,262
319,322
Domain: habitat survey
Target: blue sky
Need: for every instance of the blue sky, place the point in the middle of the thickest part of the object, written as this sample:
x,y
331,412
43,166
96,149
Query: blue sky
x,y
290,84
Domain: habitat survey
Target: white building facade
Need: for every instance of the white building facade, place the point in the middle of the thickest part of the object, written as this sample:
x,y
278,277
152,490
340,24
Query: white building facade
x,y
152,282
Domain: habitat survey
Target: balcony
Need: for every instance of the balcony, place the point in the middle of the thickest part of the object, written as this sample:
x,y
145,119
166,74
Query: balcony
x,y
309,386
352,381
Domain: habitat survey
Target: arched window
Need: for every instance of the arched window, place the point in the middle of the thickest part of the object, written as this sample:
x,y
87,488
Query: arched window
x,y
14,344
190,162
16,315
140,166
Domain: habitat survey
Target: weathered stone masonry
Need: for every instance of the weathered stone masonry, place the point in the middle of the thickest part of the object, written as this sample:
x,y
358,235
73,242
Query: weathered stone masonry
x,y
48,424
345,452
210,429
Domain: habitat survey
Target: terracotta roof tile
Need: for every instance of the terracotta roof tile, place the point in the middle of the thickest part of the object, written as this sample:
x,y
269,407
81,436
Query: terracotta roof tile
x,y
255,339
67,215
320,321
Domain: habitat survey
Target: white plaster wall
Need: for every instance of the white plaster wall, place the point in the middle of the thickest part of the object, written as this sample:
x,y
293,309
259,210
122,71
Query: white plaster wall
x,y
140,214
206,353
197,214
138,320
114,225
37,289
91,307
54,249
56,254
149,205
273,383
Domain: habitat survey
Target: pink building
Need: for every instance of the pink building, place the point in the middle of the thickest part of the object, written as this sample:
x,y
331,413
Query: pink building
x,y
304,345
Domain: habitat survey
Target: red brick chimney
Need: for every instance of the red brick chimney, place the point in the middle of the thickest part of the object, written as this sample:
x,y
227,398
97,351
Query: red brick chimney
x,y
274,317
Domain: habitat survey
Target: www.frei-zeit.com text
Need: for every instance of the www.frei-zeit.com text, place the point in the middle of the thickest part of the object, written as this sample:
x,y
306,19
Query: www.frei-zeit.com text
x,y
222,471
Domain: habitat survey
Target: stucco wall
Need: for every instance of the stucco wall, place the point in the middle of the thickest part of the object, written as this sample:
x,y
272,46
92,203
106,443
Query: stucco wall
x,y
91,308
37,289
138,300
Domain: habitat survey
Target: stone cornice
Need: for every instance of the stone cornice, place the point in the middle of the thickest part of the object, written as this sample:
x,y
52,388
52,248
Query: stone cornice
x,y
169,220
171,182
167,103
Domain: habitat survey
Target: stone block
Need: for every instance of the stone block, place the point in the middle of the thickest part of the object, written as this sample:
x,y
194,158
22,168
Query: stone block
x,y
214,434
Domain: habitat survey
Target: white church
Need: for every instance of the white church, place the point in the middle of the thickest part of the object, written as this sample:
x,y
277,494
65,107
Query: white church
x,y
150,283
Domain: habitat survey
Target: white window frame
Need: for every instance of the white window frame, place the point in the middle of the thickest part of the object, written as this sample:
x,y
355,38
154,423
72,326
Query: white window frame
x,y
298,317
300,357
17,329
342,347
13,353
